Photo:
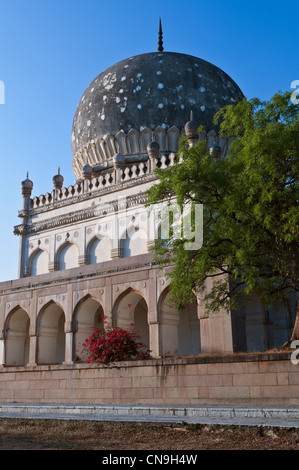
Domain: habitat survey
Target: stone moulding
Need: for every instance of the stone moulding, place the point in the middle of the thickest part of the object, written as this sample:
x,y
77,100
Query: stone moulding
x,y
133,143
75,275
164,362
78,216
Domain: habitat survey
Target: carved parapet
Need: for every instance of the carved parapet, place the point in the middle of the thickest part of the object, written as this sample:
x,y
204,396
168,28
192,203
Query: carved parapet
x,y
132,144
140,163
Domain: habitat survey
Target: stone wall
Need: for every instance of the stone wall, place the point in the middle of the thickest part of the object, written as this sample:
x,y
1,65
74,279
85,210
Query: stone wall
x,y
269,379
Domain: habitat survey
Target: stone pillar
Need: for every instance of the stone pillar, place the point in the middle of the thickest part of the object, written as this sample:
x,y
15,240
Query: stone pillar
x,y
53,266
108,301
69,339
154,336
32,350
83,260
154,325
216,334
2,352
116,252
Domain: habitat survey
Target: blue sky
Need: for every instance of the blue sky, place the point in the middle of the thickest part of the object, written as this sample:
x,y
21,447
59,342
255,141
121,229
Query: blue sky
x,y
51,50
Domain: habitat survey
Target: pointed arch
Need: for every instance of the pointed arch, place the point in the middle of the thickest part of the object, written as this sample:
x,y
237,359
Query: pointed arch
x,y
67,256
133,241
99,249
131,307
179,332
16,329
39,262
88,314
51,334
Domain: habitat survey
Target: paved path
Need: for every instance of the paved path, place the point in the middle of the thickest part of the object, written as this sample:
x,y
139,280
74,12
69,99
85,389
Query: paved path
x,y
287,417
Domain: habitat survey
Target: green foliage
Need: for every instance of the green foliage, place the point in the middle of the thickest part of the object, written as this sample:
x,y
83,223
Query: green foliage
x,y
250,207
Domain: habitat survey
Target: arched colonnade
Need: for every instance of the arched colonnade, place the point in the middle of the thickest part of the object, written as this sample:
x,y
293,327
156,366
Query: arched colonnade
x,y
54,337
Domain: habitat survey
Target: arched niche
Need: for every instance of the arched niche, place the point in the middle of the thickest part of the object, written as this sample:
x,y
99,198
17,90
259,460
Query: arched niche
x,y
179,331
134,242
68,257
39,263
266,327
51,335
131,308
88,315
99,250
17,338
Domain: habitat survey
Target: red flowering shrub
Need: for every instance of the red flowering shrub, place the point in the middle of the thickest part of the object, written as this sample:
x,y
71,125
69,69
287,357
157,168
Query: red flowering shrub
x,y
113,345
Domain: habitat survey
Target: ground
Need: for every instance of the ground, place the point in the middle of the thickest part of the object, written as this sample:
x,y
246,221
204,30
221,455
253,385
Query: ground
x,y
27,434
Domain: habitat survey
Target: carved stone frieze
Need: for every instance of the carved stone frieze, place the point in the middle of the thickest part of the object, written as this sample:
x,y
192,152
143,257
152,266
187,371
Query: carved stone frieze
x,y
78,216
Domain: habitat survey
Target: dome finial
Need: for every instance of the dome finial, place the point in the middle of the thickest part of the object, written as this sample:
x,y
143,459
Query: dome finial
x,y
160,42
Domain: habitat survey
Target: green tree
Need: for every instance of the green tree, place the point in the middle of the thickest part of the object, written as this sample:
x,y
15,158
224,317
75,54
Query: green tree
x,y
250,208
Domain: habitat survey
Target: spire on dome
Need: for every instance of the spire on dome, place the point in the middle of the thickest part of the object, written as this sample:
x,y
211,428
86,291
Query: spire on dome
x,y
160,42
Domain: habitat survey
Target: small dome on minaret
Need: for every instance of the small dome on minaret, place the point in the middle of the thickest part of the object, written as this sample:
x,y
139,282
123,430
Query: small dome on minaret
x,y
118,160
27,186
87,171
191,130
58,180
153,148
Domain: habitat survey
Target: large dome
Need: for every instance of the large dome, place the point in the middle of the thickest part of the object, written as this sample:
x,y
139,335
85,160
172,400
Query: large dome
x,y
151,90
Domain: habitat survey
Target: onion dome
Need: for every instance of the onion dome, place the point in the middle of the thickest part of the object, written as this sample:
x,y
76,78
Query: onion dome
x,y
153,148
191,130
58,180
142,94
27,186
87,171
118,160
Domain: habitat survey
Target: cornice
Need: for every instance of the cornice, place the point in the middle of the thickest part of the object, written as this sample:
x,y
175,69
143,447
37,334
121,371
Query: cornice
x,y
81,215
56,204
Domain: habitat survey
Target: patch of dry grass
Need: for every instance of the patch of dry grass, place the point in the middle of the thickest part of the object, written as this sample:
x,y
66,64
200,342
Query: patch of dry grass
x,y
27,434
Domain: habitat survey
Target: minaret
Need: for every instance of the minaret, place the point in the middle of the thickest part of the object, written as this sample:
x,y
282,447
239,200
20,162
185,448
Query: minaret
x,y
58,180
27,186
153,150
191,131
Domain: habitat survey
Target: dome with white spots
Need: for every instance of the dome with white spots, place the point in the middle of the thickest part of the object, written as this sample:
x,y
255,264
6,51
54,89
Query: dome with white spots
x,y
151,90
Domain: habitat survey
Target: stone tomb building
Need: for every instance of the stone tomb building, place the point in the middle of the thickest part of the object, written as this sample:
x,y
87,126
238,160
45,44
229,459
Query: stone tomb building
x,y
84,249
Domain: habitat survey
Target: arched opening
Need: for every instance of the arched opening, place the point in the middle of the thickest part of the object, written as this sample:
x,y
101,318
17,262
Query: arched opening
x,y
39,263
135,242
180,332
68,257
88,315
130,308
267,327
100,250
17,338
51,335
